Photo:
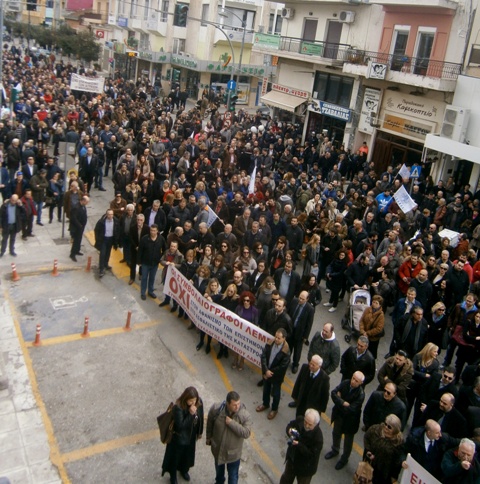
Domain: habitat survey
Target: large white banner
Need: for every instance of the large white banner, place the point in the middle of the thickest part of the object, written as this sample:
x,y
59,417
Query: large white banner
x,y
87,84
404,200
226,327
416,474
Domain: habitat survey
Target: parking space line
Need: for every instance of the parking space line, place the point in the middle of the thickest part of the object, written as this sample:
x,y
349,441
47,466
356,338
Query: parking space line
x,y
109,445
187,363
55,455
68,338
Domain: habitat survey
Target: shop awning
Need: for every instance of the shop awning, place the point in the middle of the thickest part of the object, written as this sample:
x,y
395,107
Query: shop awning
x,y
453,148
282,100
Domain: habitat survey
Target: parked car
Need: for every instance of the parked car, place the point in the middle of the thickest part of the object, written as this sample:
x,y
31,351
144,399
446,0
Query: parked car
x,y
264,112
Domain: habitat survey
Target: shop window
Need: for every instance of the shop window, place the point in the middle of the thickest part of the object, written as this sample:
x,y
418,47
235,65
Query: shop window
x,y
333,89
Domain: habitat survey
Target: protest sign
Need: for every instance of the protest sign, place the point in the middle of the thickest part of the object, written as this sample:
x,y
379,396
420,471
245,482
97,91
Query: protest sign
x,y
416,474
226,327
87,84
404,200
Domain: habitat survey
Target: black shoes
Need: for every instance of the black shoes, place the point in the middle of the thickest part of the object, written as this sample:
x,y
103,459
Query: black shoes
x,y
40,223
341,464
73,258
260,383
294,369
144,298
199,346
79,253
163,304
331,455
292,404
208,349
185,475
152,295
102,189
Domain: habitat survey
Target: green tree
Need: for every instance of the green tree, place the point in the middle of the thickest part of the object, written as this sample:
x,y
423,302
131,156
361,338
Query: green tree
x,y
87,47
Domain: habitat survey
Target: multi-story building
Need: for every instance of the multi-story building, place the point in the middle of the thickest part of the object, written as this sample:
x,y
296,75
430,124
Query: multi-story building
x,y
379,71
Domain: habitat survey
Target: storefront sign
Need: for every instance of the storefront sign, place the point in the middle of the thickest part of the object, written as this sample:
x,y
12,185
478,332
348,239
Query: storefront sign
x,y
330,110
184,61
376,70
370,104
122,22
267,41
245,70
264,86
146,55
290,90
413,106
225,326
406,126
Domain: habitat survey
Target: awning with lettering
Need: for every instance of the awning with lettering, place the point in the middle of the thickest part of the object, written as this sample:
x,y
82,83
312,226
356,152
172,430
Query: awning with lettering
x,y
282,100
453,148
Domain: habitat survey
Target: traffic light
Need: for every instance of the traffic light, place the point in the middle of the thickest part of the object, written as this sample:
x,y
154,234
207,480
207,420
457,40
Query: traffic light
x,y
181,13
132,54
225,97
233,101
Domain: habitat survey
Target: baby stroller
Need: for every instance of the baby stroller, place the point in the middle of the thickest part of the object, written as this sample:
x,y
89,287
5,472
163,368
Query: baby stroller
x,y
359,301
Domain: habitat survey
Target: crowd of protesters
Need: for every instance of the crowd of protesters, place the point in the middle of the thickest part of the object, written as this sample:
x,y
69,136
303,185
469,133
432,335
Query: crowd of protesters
x,y
314,215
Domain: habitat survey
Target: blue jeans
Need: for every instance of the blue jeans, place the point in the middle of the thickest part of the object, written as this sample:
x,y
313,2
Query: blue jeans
x,y
273,388
39,206
99,177
148,279
232,469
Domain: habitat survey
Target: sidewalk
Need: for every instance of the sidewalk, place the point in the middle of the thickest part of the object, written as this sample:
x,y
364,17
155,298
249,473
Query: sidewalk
x,y
24,448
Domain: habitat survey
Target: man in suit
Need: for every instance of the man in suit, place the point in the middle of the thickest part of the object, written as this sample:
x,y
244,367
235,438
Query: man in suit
x,y
348,399
155,215
29,169
433,389
107,235
449,418
427,445
78,221
287,281
383,403
301,312
87,169
275,359
137,232
311,387
358,359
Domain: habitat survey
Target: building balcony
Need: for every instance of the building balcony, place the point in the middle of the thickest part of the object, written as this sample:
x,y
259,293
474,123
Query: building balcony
x,y
450,4
138,23
235,35
155,25
414,71
298,49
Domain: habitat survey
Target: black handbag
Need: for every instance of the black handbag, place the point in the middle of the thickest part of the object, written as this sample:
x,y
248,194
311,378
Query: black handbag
x,y
165,425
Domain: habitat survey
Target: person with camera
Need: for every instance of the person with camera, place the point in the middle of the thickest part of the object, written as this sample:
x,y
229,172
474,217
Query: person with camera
x,y
305,442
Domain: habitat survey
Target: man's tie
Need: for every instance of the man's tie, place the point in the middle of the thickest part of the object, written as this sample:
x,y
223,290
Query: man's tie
x,y
312,375
430,447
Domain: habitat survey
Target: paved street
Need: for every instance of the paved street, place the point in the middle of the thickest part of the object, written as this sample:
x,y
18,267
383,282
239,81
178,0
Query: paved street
x,y
95,400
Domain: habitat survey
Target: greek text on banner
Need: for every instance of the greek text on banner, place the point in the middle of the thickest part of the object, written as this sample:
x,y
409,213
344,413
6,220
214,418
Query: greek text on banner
x,y
416,474
226,327
87,84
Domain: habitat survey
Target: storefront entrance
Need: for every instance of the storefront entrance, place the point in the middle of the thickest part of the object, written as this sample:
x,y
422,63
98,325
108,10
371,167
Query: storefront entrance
x,y
335,127
392,150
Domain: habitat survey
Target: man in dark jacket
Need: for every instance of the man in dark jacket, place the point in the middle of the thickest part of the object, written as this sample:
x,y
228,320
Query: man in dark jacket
x,y
460,465
78,221
107,235
430,458
348,399
287,281
155,215
87,168
383,403
295,237
399,370
449,418
357,274
275,359
150,251
311,387
276,318
301,312
305,445
39,185
325,344
458,282
12,215
137,232
358,359
411,332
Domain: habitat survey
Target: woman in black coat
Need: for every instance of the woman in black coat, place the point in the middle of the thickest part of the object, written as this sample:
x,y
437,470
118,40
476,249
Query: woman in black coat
x,y
437,323
335,277
187,429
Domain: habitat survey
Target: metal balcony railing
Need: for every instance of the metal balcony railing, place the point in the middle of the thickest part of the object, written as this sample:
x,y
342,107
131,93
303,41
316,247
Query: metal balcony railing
x,y
326,50
420,66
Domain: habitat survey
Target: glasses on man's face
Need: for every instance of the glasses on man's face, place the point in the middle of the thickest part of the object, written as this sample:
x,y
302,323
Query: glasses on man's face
x,y
447,377
387,392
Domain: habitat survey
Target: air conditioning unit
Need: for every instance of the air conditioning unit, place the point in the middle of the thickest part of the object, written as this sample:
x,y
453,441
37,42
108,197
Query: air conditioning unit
x,y
455,123
346,16
288,13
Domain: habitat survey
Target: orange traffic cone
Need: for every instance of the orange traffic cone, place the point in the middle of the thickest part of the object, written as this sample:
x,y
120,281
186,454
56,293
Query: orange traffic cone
x,y
15,276
37,341
85,333
55,272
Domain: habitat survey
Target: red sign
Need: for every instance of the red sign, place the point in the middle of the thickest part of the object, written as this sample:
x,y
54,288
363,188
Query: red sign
x,y
290,90
100,34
